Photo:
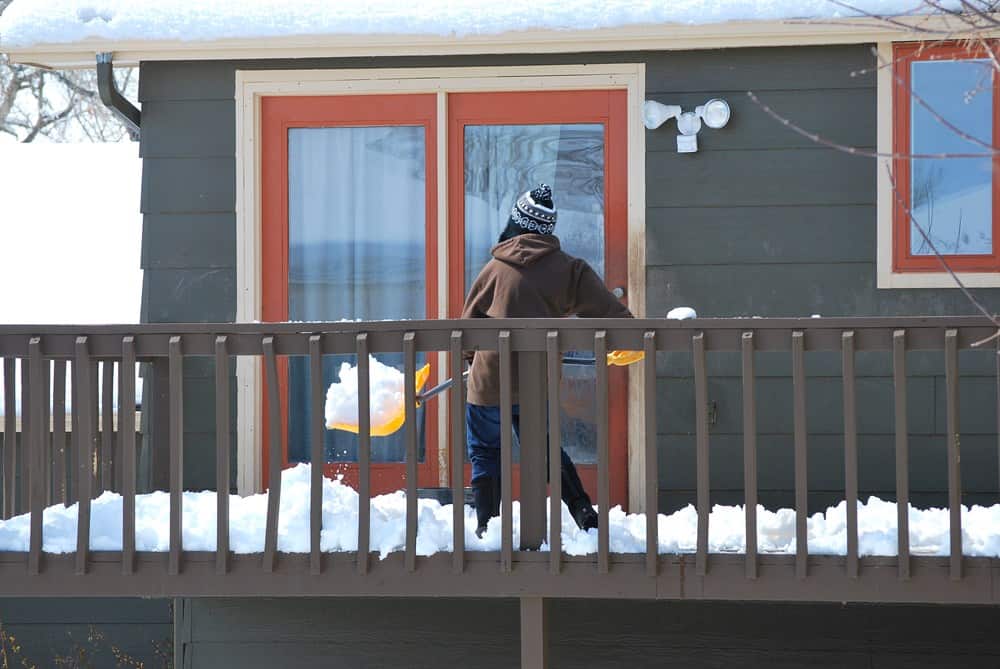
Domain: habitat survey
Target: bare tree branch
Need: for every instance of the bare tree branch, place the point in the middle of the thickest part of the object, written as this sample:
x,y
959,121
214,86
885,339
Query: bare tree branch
x,y
854,150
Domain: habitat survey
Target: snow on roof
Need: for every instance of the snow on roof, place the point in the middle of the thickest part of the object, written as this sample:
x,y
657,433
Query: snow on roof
x,y
28,23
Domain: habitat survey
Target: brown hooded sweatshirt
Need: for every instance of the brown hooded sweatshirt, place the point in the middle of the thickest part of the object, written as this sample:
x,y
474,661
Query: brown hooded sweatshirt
x,y
531,277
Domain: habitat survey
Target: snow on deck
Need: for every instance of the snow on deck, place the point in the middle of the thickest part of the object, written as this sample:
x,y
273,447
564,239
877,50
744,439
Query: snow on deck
x,y
30,22
677,531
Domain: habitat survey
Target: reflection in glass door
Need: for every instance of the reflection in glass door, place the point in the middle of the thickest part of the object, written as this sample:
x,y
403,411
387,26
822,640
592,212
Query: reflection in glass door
x,y
502,144
502,161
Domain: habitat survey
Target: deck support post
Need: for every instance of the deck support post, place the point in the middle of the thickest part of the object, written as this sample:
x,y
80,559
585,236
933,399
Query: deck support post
x,y
534,633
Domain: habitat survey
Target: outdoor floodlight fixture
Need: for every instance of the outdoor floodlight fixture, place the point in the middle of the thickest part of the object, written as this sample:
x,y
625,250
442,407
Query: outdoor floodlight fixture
x,y
715,113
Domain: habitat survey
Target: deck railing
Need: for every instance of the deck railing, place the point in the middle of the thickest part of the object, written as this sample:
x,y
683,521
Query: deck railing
x,y
535,347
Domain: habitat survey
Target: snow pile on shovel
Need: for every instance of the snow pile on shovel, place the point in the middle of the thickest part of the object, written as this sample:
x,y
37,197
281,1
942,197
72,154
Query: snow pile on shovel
x,y
677,532
386,396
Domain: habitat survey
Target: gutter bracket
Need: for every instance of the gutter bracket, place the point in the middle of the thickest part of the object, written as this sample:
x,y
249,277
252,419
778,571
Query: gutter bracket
x,y
112,97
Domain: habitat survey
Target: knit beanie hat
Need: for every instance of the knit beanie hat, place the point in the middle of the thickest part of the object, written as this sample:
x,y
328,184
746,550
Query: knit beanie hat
x,y
534,211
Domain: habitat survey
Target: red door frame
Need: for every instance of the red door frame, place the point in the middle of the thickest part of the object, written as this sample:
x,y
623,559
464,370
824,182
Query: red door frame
x,y
904,55
278,115
609,108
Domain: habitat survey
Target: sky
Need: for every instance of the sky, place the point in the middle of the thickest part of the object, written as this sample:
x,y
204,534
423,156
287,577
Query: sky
x,y
70,233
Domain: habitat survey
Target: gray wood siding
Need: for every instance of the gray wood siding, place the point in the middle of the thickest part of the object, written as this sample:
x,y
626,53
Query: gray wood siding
x,y
50,628
584,633
761,221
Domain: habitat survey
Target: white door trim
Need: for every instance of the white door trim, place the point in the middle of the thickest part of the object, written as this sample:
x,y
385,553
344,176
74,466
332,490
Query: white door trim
x,y
252,85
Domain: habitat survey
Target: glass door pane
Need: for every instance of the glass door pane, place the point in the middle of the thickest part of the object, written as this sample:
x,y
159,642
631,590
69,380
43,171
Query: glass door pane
x,y
503,161
356,251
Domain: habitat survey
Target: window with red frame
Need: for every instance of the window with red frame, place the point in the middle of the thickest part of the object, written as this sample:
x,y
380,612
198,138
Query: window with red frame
x,y
945,102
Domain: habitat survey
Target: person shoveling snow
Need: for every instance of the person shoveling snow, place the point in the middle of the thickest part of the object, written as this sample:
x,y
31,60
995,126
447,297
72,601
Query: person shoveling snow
x,y
387,408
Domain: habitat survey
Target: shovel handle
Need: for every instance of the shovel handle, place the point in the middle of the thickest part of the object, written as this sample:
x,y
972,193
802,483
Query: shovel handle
x,y
439,388
448,383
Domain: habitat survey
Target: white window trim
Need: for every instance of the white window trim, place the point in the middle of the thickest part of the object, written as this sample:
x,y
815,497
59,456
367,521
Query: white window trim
x,y
252,85
885,200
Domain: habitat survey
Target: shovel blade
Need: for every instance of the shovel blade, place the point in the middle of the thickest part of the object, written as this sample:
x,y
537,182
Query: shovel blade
x,y
393,420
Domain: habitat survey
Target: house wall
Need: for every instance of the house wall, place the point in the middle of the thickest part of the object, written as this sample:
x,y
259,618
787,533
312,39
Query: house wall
x,y
435,633
86,630
761,221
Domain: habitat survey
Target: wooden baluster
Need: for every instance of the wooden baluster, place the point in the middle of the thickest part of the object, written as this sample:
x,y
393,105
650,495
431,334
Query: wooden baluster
x,y
652,466
457,461
410,424
554,370
126,432
222,448
364,453
603,456
954,452
317,458
902,453
750,453
801,451
176,422
275,453
84,466
850,453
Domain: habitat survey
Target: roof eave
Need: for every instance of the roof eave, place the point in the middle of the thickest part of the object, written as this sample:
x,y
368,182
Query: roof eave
x,y
631,38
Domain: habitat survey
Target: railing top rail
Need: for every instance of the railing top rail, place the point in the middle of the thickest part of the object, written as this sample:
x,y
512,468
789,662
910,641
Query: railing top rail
x,y
320,327
721,334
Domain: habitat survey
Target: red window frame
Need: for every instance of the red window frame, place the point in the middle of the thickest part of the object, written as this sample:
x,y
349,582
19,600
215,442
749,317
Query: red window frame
x,y
278,115
904,55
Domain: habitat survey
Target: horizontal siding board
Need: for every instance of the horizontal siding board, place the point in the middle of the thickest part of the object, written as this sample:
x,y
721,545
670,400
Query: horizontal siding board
x,y
759,69
643,634
675,401
187,80
179,241
199,457
188,128
188,185
783,68
238,621
775,463
199,406
82,611
763,290
979,364
370,650
50,645
190,295
747,235
977,414
750,127
757,178
773,290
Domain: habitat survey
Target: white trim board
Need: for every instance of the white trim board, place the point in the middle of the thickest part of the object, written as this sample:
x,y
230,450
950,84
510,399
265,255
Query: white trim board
x,y
251,86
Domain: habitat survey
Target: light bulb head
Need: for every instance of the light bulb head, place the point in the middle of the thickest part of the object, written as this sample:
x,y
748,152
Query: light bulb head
x,y
654,114
715,113
688,123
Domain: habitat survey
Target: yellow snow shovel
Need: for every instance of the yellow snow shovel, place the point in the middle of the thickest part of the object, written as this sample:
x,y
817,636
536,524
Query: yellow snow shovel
x,y
394,421
398,416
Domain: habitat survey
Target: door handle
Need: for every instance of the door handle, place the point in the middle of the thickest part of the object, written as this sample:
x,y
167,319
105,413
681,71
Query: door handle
x,y
618,292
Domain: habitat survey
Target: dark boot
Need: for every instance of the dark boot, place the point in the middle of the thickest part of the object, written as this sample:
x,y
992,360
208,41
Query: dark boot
x,y
576,498
487,499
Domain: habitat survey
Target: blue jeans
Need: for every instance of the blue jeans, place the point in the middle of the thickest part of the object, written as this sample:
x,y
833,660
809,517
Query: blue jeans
x,y
483,440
